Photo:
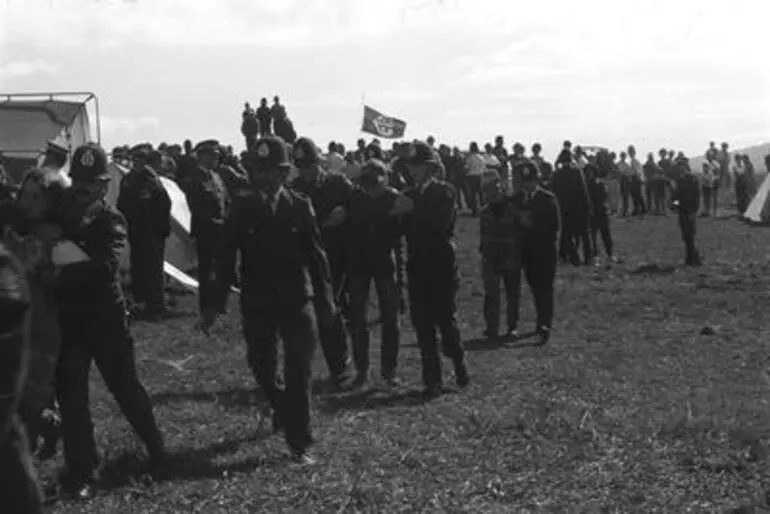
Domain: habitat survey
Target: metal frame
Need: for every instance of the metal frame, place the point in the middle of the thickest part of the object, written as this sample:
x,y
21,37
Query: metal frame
x,y
89,97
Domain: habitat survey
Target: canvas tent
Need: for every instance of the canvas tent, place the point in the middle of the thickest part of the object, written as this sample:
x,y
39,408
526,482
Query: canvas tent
x,y
29,120
759,209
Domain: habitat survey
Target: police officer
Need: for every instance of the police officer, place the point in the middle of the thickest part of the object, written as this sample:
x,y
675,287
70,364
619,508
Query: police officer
x,y
94,325
54,157
539,232
19,490
209,204
373,243
146,206
236,181
285,276
433,277
500,258
569,186
686,200
329,194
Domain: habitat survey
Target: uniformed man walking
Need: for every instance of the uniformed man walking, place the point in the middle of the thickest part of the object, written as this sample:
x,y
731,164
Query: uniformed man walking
x,y
686,200
329,194
94,325
209,204
539,221
285,277
19,490
146,206
433,277
500,258
373,242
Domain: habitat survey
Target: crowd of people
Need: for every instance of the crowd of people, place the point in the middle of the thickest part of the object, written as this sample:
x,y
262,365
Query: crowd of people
x,y
304,235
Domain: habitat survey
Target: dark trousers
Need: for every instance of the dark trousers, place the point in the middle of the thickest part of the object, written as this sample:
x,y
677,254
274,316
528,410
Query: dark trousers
x,y
147,278
226,267
103,338
708,201
637,196
625,194
742,193
473,188
492,302
539,265
265,318
389,299
600,224
687,226
461,186
209,267
575,233
19,489
432,301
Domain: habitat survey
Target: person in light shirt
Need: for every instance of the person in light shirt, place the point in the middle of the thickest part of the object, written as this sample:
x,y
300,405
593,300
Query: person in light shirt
x,y
636,176
706,178
335,158
624,172
477,165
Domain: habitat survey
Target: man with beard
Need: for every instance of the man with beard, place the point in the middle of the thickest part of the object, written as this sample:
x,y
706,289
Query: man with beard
x,y
329,194
146,206
373,245
432,269
285,285
94,325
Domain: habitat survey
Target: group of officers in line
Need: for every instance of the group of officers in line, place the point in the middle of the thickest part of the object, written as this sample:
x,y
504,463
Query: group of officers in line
x,y
309,252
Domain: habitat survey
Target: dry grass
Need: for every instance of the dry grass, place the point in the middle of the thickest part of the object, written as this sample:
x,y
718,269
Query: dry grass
x,y
630,408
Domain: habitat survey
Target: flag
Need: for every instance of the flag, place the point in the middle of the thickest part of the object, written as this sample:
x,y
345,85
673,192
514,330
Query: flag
x,y
382,126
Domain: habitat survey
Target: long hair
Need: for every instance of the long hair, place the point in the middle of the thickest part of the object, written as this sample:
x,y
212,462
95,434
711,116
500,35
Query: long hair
x,y
53,185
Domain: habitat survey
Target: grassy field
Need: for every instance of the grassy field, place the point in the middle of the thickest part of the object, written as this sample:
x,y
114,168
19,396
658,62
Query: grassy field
x,y
651,397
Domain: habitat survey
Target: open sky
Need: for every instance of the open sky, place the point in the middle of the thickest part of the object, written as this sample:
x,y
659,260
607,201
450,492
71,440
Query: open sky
x,y
674,73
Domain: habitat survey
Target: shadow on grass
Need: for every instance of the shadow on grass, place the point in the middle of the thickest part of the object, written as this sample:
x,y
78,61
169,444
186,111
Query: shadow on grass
x,y
652,269
481,344
372,399
186,464
237,397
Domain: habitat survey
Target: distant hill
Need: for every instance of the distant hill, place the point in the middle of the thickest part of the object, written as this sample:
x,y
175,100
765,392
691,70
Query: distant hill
x,y
756,153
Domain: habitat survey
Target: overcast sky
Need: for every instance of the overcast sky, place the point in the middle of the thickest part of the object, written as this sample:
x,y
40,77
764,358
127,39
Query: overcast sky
x,y
674,73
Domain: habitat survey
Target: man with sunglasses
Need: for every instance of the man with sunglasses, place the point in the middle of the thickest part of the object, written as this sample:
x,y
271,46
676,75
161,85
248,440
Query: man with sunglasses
x,y
94,325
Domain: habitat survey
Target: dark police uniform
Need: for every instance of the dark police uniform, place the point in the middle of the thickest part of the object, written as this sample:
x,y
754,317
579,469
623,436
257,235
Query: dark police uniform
x,y
568,184
539,221
433,276
327,192
19,490
599,193
500,259
94,325
238,186
209,204
373,242
686,198
146,205
284,276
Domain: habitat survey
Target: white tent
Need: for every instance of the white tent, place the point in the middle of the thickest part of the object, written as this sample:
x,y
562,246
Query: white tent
x,y
759,208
